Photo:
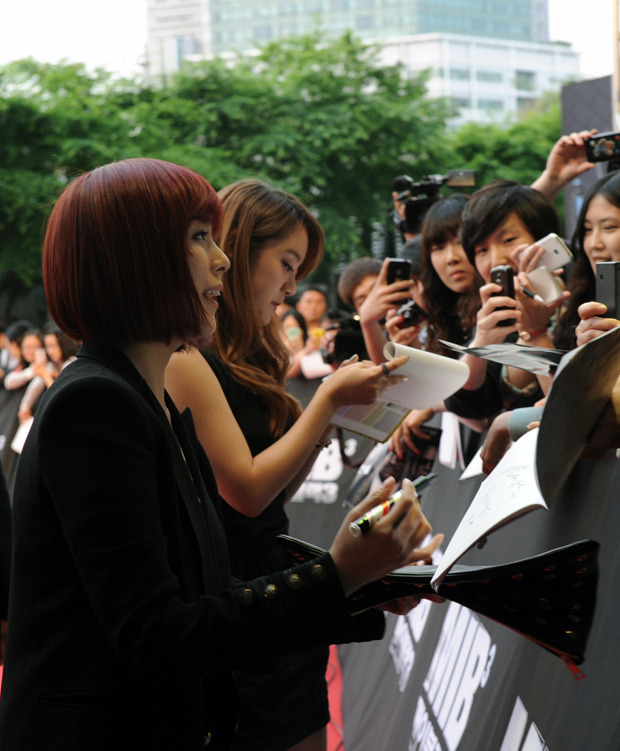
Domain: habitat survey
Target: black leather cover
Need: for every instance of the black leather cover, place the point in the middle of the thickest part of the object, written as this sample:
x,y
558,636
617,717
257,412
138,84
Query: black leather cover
x,y
548,598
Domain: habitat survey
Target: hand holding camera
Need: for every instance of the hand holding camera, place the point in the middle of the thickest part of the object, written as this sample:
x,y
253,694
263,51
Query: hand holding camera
x,y
410,314
390,290
595,321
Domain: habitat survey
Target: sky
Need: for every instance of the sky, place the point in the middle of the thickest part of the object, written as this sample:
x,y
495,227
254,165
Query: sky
x,y
112,33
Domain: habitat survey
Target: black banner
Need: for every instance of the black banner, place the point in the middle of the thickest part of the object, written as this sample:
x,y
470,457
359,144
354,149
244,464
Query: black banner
x,y
445,678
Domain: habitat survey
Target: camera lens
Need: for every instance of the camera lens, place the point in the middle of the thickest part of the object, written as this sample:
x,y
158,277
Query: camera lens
x,y
412,314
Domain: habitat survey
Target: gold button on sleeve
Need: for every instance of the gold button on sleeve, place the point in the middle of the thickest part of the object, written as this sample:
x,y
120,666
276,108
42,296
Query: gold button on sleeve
x,y
271,591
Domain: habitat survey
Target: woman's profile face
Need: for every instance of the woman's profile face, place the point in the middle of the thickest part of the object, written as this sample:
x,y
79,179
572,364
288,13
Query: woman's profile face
x,y
601,237
275,270
207,264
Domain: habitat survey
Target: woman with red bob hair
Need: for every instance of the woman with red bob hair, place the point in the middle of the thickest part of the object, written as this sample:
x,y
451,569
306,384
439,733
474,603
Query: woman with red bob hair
x,y
124,622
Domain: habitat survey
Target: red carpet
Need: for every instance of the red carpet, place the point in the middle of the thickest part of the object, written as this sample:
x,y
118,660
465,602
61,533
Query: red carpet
x,y
335,737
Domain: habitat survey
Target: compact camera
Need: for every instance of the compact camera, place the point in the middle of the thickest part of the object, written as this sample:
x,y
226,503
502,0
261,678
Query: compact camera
x,y
603,147
412,313
348,341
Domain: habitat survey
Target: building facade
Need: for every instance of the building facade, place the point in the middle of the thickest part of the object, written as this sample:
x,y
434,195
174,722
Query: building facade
x,y
489,57
485,78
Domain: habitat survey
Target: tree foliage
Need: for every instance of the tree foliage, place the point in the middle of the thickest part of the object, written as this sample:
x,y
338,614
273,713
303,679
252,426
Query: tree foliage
x,y
324,120
513,151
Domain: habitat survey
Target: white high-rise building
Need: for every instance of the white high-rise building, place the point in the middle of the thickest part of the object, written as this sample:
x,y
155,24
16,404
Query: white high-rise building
x,y
490,57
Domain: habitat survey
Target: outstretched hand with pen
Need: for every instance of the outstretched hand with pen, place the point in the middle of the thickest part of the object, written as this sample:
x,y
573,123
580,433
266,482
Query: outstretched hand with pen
x,y
392,542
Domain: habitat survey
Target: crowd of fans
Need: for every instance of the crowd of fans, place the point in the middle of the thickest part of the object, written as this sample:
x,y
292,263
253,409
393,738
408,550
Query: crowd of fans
x,y
266,337
462,238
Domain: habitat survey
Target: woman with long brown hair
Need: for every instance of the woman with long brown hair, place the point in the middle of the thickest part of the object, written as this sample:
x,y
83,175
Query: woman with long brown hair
x,y
259,442
124,622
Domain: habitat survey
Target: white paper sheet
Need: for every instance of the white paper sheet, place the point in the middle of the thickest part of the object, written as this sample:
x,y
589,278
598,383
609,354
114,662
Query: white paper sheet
x,y
431,378
509,491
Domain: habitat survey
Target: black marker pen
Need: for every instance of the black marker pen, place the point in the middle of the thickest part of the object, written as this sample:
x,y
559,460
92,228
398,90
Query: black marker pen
x,y
363,525
529,293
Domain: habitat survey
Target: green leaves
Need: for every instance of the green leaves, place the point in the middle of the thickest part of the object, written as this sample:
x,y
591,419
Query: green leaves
x,y
324,120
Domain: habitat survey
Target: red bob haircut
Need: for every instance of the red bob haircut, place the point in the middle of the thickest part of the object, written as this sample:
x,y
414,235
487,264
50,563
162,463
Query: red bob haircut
x,y
115,255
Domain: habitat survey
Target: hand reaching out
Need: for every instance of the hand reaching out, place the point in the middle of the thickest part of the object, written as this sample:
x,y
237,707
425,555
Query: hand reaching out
x,y
360,382
411,425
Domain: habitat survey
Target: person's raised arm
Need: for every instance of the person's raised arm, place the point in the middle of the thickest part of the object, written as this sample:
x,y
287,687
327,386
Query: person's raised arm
x,y
382,298
494,310
566,161
250,483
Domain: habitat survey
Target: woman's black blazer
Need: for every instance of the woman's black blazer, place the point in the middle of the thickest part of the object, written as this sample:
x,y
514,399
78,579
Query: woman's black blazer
x,y
123,620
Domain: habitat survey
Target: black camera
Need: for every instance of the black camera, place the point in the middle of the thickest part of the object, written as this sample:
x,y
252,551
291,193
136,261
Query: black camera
x,y
603,147
412,314
348,340
419,196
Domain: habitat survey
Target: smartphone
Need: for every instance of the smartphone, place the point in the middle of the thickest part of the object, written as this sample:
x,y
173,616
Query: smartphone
x,y
40,355
399,270
544,284
608,287
556,252
602,147
504,276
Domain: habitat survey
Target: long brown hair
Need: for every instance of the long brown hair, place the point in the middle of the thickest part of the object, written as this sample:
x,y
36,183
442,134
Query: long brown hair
x,y
254,214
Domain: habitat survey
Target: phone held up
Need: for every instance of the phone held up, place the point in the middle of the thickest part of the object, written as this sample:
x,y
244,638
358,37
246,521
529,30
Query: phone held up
x,y
399,270
608,287
504,276
40,356
556,252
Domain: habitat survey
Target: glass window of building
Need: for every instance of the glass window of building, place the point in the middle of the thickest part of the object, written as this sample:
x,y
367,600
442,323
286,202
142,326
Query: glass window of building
x,y
525,80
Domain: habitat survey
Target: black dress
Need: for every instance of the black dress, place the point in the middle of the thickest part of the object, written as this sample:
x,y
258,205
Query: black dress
x,y
284,699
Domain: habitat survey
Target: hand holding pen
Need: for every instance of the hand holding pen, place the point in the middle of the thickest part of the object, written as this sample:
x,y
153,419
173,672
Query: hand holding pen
x,y
363,525
393,542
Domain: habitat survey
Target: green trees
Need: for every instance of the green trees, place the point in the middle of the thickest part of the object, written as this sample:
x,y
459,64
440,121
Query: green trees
x,y
516,151
323,120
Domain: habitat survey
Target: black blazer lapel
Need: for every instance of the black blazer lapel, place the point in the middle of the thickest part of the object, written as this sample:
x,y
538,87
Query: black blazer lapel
x,y
205,520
